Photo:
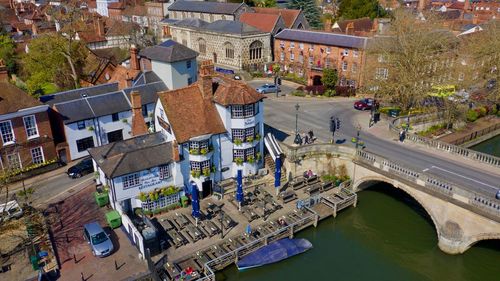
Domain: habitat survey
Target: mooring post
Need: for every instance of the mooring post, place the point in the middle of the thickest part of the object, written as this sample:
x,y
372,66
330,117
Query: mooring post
x,y
316,218
236,256
335,210
291,232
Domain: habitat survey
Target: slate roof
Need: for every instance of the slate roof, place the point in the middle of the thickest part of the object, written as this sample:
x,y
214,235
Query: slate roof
x,y
79,93
13,99
190,113
362,24
220,26
205,7
168,51
323,38
264,22
146,77
132,155
76,108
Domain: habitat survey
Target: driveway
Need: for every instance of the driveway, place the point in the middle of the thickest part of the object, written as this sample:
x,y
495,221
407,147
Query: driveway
x,y
75,256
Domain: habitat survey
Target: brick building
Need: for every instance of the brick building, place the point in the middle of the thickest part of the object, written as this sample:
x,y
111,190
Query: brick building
x,y
26,135
307,53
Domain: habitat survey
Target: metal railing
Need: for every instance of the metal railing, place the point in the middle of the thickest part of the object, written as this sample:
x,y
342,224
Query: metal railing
x,y
484,202
451,148
230,257
476,134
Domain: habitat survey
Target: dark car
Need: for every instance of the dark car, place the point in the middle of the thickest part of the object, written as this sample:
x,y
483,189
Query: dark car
x,y
82,168
364,104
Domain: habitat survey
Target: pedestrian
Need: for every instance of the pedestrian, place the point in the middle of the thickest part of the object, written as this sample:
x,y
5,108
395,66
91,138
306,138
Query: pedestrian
x,y
402,135
306,139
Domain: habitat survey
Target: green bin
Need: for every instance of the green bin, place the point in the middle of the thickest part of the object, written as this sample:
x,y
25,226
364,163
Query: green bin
x,y
394,112
113,218
34,262
101,199
184,201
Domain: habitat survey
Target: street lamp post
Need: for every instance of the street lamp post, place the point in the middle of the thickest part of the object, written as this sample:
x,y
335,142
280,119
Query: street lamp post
x,y
358,129
297,136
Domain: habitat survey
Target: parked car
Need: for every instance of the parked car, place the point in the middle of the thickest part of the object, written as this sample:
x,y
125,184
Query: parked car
x,y
491,84
364,104
10,210
99,241
237,77
82,168
268,88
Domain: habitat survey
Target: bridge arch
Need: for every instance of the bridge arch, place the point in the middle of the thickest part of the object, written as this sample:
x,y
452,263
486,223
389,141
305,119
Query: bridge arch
x,y
479,238
367,181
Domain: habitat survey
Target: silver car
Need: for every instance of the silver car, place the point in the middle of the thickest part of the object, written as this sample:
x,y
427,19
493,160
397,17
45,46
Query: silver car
x,y
99,241
268,88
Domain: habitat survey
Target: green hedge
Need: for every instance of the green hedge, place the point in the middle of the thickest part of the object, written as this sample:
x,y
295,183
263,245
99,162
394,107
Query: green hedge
x,y
472,115
386,109
161,210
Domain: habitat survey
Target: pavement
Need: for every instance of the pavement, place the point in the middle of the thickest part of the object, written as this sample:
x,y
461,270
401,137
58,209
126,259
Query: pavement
x,y
315,113
67,219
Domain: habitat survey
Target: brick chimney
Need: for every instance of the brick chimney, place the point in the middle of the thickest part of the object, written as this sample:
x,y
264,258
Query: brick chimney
x,y
328,25
99,27
205,82
134,58
4,76
175,151
467,5
138,123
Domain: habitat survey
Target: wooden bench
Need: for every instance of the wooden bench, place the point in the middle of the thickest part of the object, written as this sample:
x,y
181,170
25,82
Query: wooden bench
x,y
287,196
316,188
327,186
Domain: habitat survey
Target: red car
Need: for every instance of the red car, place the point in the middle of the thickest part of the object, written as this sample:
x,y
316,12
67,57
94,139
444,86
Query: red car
x,y
364,104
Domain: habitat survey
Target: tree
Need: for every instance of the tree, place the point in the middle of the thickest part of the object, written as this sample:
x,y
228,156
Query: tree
x,y
264,3
310,10
484,59
355,9
403,65
7,51
329,78
52,58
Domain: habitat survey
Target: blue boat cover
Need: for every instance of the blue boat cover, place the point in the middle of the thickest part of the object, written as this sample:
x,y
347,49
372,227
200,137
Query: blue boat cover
x,y
274,252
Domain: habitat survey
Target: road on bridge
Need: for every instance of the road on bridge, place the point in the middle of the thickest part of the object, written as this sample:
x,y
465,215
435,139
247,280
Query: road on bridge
x,y
315,113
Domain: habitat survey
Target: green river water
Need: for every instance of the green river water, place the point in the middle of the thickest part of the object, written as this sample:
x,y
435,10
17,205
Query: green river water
x,y
388,236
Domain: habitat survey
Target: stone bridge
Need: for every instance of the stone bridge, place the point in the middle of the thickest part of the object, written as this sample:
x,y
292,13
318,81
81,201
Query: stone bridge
x,y
461,217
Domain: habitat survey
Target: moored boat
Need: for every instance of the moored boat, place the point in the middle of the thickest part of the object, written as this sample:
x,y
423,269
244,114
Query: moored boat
x,y
274,252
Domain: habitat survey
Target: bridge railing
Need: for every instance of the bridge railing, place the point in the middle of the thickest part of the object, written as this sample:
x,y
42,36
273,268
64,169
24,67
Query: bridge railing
x,y
486,203
436,144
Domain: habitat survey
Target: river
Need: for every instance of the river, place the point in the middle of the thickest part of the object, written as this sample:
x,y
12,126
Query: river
x,y
388,236
491,146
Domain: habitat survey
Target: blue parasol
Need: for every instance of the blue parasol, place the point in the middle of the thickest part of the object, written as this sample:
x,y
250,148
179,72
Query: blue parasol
x,y
239,187
195,202
277,173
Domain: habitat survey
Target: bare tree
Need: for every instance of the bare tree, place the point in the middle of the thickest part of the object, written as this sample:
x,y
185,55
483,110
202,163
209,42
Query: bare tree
x,y
414,54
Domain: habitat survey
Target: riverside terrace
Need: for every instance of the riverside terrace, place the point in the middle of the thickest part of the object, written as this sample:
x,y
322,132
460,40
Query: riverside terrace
x,y
213,243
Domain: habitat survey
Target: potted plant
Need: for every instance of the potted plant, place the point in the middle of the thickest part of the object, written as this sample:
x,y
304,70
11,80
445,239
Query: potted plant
x,y
257,137
91,128
238,161
143,196
250,139
125,120
195,174
206,172
210,148
258,156
203,151
193,151
237,141
250,159
214,169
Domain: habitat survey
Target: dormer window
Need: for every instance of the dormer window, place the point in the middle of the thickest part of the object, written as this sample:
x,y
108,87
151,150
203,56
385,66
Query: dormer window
x,y
243,111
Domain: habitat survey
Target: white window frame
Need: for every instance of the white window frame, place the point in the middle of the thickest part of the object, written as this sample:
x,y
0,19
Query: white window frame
x,y
18,160
328,50
345,66
131,181
248,110
12,136
238,134
292,56
27,129
355,53
165,172
39,150
345,53
382,73
237,111
239,153
292,45
301,46
354,67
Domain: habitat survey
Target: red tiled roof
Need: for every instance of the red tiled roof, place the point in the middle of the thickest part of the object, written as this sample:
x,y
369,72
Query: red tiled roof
x,y
261,21
289,16
135,11
190,114
13,99
91,36
236,93
358,25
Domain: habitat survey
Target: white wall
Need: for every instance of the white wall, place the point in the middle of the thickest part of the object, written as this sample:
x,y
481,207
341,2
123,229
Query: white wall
x,y
169,136
106,125
73,134
149,181
175,75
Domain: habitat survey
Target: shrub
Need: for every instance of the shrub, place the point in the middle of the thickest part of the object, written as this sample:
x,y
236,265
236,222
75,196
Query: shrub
x,y
472,115
298,93
257,74
329,93
494,109
386,109
481,111
345,91
294,78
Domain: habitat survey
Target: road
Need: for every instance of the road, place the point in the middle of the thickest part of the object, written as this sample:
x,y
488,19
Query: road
x,y
56,188
285,90
315,114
